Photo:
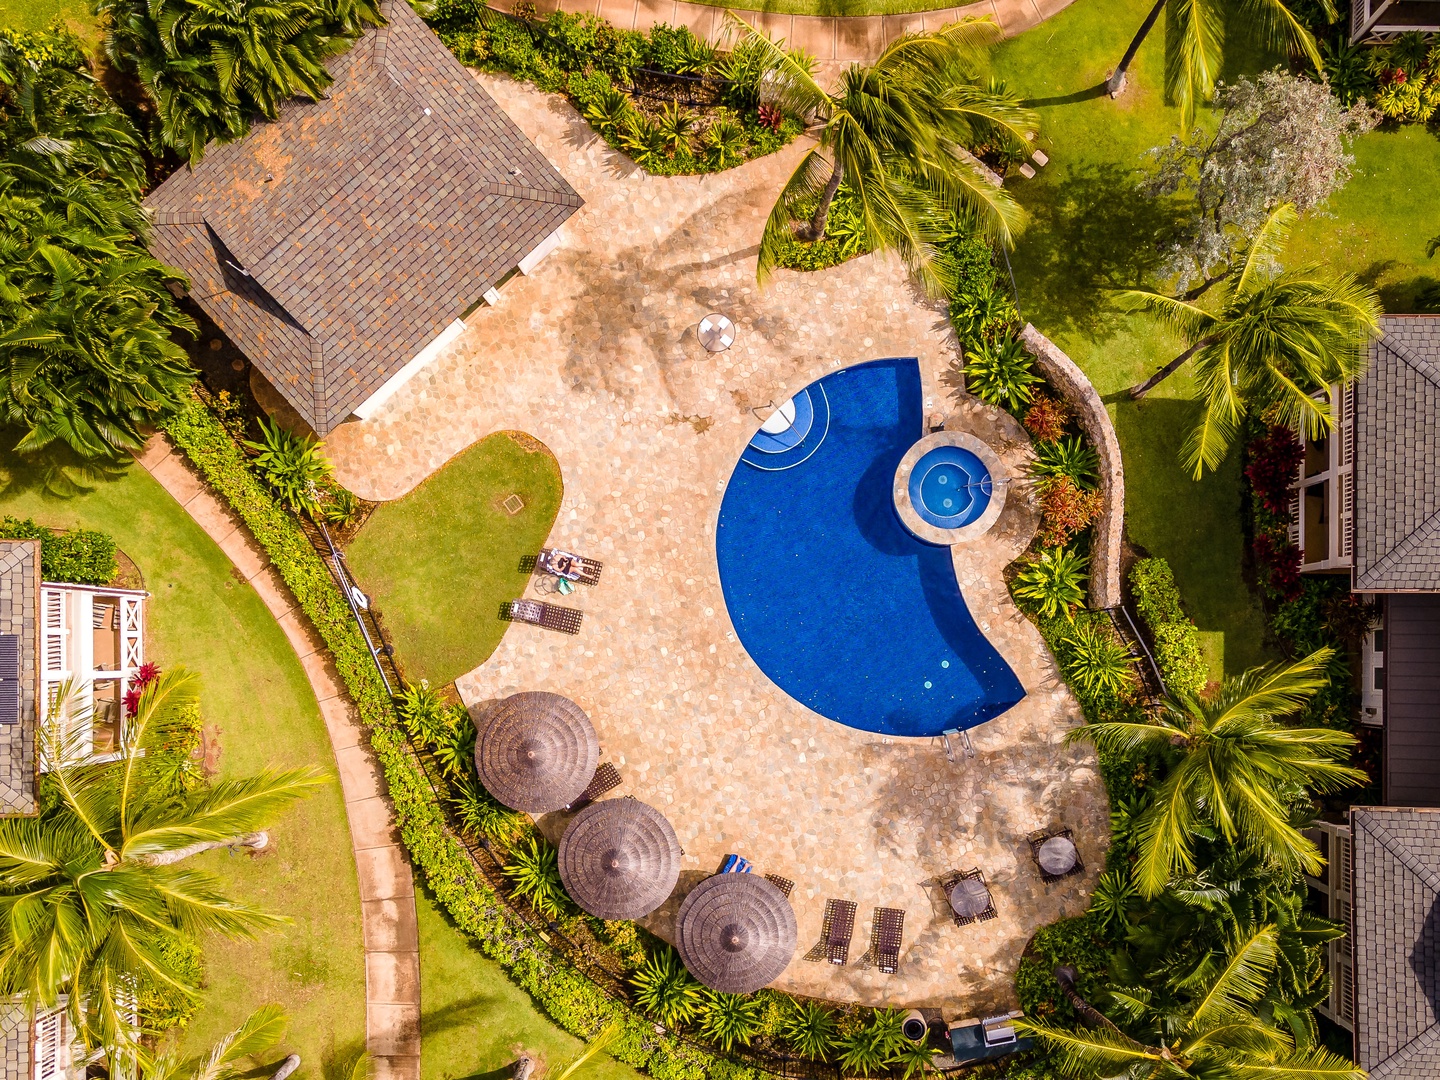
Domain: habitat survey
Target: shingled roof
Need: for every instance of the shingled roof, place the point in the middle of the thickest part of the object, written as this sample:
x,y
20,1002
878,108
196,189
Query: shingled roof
x,y
1397,459
1396,890
334,244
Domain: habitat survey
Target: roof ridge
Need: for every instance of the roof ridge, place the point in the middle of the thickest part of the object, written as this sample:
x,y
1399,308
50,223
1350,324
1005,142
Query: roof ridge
x,y
1419,363
1396,847
1424,531
1425,1040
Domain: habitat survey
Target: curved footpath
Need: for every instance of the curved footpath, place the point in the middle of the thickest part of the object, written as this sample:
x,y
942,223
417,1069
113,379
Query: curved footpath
x,y
828,38
387,890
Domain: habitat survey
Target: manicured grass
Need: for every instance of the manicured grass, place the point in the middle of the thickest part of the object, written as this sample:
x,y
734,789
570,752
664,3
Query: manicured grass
x,y
261,712
1090,235
36,14
474,1020
440,561
833,7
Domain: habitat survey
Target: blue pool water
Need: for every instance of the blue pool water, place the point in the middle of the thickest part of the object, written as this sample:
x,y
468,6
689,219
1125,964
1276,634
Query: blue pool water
x,y
949,487
832,597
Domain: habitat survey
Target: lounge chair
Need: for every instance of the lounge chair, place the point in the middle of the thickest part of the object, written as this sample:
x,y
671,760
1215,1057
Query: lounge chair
x,y
837,929
784,884
886,934
539,613
1038,840
567,565
606,779
952,880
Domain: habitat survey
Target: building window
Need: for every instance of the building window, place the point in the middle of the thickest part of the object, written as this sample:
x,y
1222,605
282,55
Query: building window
x,y
1380,640
1379,678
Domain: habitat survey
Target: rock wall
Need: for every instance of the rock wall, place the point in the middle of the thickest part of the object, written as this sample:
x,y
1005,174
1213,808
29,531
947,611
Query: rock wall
x,y
1063,374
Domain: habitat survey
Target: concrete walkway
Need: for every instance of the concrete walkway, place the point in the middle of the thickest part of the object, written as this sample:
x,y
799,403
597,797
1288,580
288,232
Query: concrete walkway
x,y
828,38
387,890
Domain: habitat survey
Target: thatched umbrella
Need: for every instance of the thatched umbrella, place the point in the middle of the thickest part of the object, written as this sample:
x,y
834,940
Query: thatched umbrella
x,y
536,752
735,932
619,859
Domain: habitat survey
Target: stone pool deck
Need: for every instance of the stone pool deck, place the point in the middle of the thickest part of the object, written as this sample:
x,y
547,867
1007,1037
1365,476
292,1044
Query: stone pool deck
x,y
596,355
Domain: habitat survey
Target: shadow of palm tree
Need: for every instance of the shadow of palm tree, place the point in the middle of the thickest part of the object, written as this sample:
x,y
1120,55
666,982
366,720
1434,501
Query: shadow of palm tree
x,y
55,471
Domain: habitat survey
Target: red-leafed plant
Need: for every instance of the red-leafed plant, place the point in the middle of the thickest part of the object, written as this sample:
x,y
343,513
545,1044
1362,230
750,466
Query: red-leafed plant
x,y
144,675
1274,464
771,117
1046,418
1278,561
1065,511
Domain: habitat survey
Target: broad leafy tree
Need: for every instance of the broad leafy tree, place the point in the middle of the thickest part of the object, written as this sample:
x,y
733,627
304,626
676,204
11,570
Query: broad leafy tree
x,y
899,133
210,65
1195,40
93,888
1203,1026
1271,340
1239,771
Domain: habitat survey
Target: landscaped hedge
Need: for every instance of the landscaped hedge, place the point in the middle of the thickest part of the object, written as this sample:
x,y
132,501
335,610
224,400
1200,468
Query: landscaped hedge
x,y
79,556
570,998
1177,641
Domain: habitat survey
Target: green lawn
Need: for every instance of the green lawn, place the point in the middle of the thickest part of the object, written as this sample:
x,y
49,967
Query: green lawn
x,y
35,14
1090,235
439,561
259,706
474,1020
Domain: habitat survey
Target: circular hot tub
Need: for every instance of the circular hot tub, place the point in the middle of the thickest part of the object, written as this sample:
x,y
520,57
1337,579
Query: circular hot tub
x,y
949,488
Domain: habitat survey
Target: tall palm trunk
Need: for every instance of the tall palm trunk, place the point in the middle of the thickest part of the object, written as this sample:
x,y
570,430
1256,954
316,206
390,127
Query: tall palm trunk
x,y
255,841
1066,975
1138,392
1116,82
816,229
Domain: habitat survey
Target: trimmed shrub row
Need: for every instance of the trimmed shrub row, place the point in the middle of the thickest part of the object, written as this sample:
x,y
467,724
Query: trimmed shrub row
x,y
567,995
79,556
1177,641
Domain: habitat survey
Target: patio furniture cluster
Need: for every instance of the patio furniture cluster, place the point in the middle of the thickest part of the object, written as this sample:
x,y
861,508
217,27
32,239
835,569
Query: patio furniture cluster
x,y
969,897
1056,855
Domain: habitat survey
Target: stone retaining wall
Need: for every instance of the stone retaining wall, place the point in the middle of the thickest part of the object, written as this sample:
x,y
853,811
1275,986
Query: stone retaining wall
x,y
1063,374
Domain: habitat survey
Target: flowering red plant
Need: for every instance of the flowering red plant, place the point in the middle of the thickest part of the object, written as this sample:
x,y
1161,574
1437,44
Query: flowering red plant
x,y
144,675
1274,465
1279,561
1066,510
771,117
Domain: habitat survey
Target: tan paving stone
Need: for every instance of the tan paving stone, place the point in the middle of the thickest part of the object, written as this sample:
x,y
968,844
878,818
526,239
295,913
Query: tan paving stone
x,y
157,449
595,354
247,556
392,977
212,515
370,823
619,13
358,771
322,674
273,591
341,722
300,633
859,38
390,926
394,1033
650,12
384,873
176,476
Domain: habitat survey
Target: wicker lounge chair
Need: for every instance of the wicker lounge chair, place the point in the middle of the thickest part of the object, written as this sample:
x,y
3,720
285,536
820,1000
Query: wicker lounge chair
x,y
1038,841
606,779
951,881
568,565
837,929
784,884
565,620
886,935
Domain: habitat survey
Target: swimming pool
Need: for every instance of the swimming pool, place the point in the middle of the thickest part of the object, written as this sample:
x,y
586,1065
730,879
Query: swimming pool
x,y
832,597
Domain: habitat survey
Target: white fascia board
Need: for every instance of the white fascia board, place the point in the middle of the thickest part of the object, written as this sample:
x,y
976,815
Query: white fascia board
x,y
368,407
545,247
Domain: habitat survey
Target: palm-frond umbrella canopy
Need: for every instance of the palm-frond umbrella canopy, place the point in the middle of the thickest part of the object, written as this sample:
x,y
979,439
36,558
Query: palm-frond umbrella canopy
x,y
536,751
619,859
736,932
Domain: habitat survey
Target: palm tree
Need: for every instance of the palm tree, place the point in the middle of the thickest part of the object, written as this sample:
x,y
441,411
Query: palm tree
x,y
260,1032
210,64
1238,773
1205,1027
1195,43
92,890
897,133
1277,340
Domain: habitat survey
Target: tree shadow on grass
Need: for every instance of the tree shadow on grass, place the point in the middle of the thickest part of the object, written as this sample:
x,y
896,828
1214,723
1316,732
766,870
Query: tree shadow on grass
x,y
56,471
1091,234
1419,295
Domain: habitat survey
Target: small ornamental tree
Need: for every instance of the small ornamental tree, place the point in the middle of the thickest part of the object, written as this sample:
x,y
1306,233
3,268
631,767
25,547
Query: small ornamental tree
x,y
1282,139
1274,464
1066,511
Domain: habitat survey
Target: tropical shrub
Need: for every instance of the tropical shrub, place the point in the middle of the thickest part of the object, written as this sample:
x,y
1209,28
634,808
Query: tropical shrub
x,y
1177,641
809,1029
1114,893
294,467
1066,511
1273,465
81,556
1046,418
730,1019
1000,373
1278,563
454,743
1067,458
869,1050
422,710
982,313
1097,660
482,817
1053,581
665,990
844,237
534,873
161,1007
677,50
338,506
914,1059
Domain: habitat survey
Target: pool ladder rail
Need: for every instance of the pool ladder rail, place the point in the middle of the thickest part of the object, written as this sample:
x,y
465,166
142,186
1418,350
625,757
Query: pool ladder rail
x,y
962,737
